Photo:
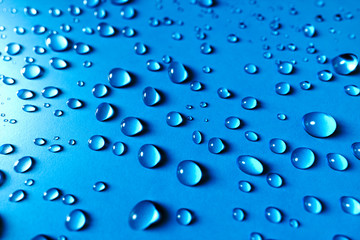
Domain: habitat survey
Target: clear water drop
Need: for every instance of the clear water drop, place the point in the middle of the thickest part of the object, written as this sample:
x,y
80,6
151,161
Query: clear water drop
x,y
131,126
82,48
58,63
13,48
99,186
39,50
309,30
104,112
128,32
277,145
29,182
6,149
256,236
294,223
153,65
197,137
105,30
223,93
38,29
232,38
273,215
325,75
345,64
340,237
39,141
74,103
127,12
177,72
17,196
150,96
196,86
55,148
143,215
238,214
250,165
245,186
337,161
8,81
149,156
281,116
251,136
251,68
350,205
318,124
355,147
232,122
25,94
23,164
29,108
51,194
352,90
119,77
189,173
302,158
96,142
312,204
274,180
76,220
184,216
100,90
249,103
216,145
58,113
285,68
100,13
50,92
31,71
282,88
119,148
174,119
305,85
57,42
140,48
68,199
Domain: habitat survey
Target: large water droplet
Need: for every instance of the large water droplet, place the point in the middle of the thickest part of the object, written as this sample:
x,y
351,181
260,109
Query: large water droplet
x,y
131,126
177,72
184,216
99,90
345,64
96,142
57,42
302,158
216,145
277,145
285,68
319,124
104,112
51,194
50,92
189,173
337,161
76,220
238,214
25,94
174,119
17,196
350,205
312,204
274,180
352,90
273,214
13,48
249,103
74,103
149,156
150,96
23,164
105,30
119,77
250,165
31,71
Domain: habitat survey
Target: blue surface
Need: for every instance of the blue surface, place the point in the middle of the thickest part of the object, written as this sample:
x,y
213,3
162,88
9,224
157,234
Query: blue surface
x,y
77,168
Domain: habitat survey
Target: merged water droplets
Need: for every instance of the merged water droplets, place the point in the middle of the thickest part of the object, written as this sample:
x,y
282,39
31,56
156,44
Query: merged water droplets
x,y
104,112
76,220
319,124
345,64
189,173
143,215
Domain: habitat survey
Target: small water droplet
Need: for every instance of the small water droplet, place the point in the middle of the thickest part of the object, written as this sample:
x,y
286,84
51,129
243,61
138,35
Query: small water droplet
x,y
184,216
82,48
302,158
285,68
177,72
294,223
250,165
50,92
68,199
153,65
223,93
309,30
206,48
55,148
277,145
105,30
100,90
25,94
143,215
305,85
8,81
58,113
251,136
249,103
38,29
273,215
39,141
216,145
119,148
337,161
189,173
325,75
39,50
72,142
55,12
319,124
140,48
238,214
356,149
256,236
57,42
274,180
74,103
96,142
245,186
23,164
131,126
17,196
197,137
312,204
58,63
282,88
232,122
100,13
104,112
19,30
51,194
128,32
350,205
352,90
251,68
31,71
76,220
119,77
149,156
29,182
232,38
13,48
345,64
99,186
150,96
196,86
29,108
174,119
30,11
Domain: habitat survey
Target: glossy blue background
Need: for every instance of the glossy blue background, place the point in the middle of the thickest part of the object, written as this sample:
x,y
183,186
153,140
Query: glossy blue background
x,y
77,168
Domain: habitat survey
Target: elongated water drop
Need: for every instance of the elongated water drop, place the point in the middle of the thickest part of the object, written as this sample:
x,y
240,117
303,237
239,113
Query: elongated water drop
x,y
250,165
96,142
74,103
197,137
340,237
23,164
216,145
58,63
177,72
25,94
312,204
50,92
131,126
149,156
2,178
337,161
99,186
251,136
319,124
119,77
352,90
39,141
104,112
17,196
150,96
356,149
143,215
273,215
189,173
29,108
184,216
76,220
350,205
345,64
51,194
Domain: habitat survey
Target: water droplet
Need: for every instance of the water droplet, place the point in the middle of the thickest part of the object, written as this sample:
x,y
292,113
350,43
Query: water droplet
x,y
238,214
251,136
68,199
29,182
281,116
223,93
40,237
166,59
352,90
250,165
31,71
57,42
72,142
58,63
58,113
104,112
51,194
273,215
39,141
39,50
350,205
13,48
177,72
19,30
127,12
82,48
29,108
119,77
216,145
25,94
309,30
319,124
245,186
196,86
55,12
50,92
277,145
206,48
55,148
294,223
149,156
74,103
274,180
128,32
99,90
312,204
249,103
88,30
91,3
38,29
17,196
232,38
184,216
337,161
96,142
305,85
119,148
105,30
282,88
131,126
232,122
302,158
150,96
143,215
340,237
197,137
325,75
356,149
100,13
76,220
140,48
251,68
203,104
176,36
285,68
30,11
255,236
174,119
74,10
345,64
206,3
87,64
99,186
8,81
189,173
153,65
23,164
